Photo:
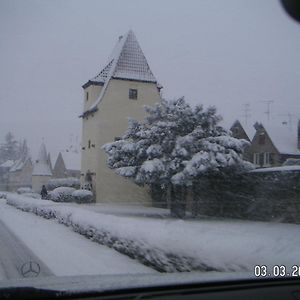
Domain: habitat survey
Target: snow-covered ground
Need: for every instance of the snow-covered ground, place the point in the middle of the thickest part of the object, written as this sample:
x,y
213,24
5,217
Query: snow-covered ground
x,y
225,245
126,210
277,169
64,251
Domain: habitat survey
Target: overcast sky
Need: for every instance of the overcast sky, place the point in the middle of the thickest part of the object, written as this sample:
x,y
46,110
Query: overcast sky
x,y
224,53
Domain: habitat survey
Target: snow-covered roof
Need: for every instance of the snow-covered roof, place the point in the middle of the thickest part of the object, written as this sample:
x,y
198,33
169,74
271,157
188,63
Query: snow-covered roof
x,y
284,138
71,159
18,165
7,164
248,128
276,169
42,164
127,61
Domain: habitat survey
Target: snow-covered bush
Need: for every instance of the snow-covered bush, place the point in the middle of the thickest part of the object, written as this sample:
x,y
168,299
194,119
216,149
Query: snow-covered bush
x,y
2,195
32,195
63,182
83,196
23,190
131,239
175,147
61,194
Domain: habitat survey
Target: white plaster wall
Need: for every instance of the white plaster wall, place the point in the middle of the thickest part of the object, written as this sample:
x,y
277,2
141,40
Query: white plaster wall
x,y
38,181
110,121
94,91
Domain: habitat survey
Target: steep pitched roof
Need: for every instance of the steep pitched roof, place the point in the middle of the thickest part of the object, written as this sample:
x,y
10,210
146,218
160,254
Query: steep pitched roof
x,y
249,129
284,138
42,165
127,61
19,164
70,159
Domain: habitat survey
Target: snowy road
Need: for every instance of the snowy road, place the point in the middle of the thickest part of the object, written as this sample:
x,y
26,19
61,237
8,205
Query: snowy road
x,y
14,254
65,252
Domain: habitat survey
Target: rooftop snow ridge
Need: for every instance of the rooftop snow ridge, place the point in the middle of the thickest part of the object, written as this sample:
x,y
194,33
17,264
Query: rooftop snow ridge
x,y
127,61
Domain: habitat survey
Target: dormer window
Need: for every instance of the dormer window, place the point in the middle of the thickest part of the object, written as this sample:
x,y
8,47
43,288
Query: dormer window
x,y
133,94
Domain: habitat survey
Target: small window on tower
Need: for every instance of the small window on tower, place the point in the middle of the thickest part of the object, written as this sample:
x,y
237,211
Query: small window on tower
x,y
133,94
87,96
89,143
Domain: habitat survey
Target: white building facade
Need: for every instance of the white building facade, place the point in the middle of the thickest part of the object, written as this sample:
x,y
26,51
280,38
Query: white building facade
x,y
41,173
117,93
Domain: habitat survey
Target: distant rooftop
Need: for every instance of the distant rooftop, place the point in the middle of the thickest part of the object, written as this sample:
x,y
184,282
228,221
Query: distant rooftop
x,y
248,128
284,138
42,164
71,159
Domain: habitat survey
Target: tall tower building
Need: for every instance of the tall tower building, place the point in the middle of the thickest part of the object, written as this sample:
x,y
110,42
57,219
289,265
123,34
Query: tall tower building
x,y
118,92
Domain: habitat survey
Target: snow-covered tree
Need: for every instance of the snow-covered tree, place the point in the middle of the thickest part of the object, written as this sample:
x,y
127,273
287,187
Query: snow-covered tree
x,y
23,151
174,147
9,149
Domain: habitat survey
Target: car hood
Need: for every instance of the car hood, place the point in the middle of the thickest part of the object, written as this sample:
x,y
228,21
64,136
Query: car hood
x,y
104,283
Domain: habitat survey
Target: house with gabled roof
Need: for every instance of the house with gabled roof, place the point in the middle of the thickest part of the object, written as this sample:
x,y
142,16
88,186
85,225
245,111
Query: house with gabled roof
x,y
118,92
41,172
241,130
4,174
272,145
20,174
67,164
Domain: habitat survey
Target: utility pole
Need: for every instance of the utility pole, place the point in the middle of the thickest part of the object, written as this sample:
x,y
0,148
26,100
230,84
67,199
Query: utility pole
x,y
246,112
268,112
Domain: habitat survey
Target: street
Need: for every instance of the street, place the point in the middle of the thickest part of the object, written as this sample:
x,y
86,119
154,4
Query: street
x,y
64,252
14,254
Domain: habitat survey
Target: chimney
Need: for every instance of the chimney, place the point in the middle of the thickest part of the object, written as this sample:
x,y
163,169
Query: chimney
x,y
257,126
299,134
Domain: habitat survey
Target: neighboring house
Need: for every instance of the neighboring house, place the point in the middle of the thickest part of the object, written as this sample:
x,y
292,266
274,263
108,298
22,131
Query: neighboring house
x,y
4,171
273,145
41,173
20,174
67,164
243,131
117,93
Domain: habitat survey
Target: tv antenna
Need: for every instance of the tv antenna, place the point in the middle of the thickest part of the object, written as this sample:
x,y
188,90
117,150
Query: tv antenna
x,y
290,118
268,112
246,112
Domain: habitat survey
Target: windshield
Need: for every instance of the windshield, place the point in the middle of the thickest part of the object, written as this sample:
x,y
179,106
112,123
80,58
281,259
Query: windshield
x,y
148,142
